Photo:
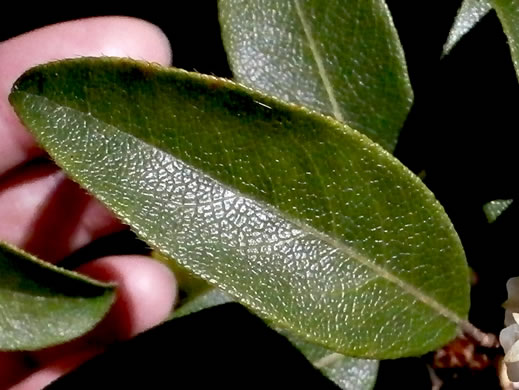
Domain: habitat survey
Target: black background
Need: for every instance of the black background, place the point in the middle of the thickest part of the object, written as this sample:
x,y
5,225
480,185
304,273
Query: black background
x,y
460,132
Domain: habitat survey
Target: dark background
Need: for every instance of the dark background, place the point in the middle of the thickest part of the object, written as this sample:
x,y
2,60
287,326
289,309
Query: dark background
x,y
460,132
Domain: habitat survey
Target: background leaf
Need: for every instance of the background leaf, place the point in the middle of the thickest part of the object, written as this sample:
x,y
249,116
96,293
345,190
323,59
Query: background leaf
x,y
209,297
346,372
43,305
305,221
339,57
508,13
495,208
469,14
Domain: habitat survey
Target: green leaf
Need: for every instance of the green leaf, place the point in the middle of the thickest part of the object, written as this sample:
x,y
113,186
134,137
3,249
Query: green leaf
x,y
308,223
42,305
495,208
508,13
469,14
347,372
338,57
207,298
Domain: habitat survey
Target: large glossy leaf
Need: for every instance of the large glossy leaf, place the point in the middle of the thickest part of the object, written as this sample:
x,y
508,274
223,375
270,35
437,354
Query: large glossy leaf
x,y
508,13
303,220
43,305
340,57
347,372
469,14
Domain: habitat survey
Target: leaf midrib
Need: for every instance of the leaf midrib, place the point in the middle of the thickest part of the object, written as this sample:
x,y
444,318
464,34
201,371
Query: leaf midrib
x,y
351,252
319,62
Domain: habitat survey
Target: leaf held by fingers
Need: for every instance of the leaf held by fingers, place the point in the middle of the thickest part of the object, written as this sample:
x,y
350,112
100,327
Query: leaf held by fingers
x,y
43,305
305,221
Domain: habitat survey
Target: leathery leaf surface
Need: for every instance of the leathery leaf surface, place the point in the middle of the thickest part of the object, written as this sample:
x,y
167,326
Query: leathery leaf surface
x,y
42,305
308,223
339,57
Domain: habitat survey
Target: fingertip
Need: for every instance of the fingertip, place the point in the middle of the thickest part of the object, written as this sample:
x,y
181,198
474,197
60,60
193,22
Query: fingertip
x,y
146,293
119,36
116,36
159,52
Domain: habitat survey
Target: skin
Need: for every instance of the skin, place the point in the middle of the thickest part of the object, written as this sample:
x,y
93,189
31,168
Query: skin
x,y
48,215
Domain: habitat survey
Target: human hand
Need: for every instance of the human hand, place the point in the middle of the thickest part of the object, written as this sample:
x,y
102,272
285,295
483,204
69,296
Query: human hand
x,y
44,213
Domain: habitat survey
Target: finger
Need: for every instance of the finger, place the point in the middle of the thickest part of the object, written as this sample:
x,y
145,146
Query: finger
x,y
48,215
26,210
146,293
113,36
13,365
41,378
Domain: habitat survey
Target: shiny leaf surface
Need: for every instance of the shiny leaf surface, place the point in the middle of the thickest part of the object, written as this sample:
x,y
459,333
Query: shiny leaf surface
x,y
469,14
495,208
308,223
42,305
339,57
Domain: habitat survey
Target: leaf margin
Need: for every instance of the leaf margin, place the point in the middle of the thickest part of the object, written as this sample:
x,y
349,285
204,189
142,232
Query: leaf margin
x,y
15,254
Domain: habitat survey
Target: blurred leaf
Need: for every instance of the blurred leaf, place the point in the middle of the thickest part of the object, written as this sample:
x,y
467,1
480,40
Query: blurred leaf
x,y
347,372
469,14
508,13
42,305
495,208
338,57
207,298
303,220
